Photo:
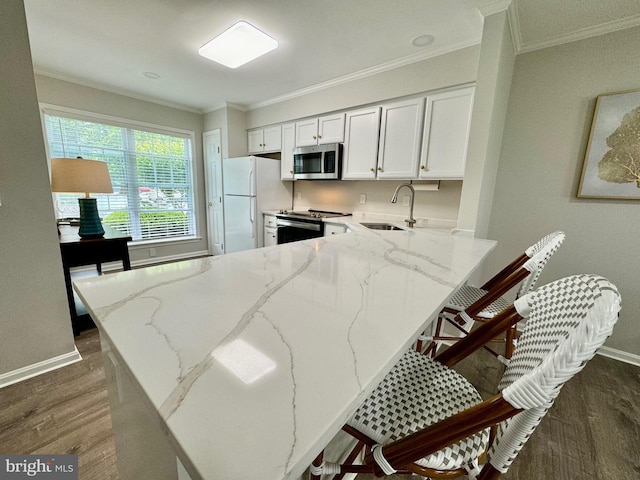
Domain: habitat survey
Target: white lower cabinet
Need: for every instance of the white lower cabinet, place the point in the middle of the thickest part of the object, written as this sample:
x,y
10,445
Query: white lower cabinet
x,y
270,237
446,134
334,229
270,230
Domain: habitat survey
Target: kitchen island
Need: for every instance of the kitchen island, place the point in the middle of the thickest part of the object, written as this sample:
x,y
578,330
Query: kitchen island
x,y
246,365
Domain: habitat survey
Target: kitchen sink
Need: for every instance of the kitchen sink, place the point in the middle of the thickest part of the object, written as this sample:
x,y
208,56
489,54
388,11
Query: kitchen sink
x,y
381,226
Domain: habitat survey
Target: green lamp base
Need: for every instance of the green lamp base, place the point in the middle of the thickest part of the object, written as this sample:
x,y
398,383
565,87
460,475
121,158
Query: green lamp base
x,y
90,226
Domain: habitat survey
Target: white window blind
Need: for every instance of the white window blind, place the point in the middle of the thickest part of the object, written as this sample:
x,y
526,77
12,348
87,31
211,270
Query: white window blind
x,y
151,173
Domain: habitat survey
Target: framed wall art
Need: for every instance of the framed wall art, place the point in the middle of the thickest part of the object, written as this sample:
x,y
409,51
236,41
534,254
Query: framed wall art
x,y
611,166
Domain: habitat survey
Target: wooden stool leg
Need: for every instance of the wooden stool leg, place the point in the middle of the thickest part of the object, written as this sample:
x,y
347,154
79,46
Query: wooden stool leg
x,y
509,342
316,463
489,473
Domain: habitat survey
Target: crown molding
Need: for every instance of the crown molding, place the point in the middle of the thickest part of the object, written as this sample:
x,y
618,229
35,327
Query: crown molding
x,y
408,60
221,105
115,91
489,7
581,34
514,26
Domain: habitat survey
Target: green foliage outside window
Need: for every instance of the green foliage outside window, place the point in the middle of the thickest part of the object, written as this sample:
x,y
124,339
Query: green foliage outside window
x,y
154,224
150,172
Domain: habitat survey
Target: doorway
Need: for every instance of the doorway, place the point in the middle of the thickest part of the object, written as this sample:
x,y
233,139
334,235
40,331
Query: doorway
x,y
212,144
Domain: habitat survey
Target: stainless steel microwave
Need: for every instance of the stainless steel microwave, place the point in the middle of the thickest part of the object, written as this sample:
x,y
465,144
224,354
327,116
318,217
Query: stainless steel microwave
x,y
319,162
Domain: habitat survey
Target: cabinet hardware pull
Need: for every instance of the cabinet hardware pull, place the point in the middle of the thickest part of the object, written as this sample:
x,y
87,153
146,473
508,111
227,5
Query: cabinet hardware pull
x,y
373,170
380,168
421,167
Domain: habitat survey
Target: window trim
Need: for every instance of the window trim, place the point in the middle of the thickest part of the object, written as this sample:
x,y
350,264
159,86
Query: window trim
x,y
82,115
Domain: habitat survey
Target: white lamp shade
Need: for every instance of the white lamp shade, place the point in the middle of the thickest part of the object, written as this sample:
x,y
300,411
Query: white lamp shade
x,y
79,175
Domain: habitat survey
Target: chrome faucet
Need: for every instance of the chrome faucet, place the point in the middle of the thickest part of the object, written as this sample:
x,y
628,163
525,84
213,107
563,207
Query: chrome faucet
x,y
410,221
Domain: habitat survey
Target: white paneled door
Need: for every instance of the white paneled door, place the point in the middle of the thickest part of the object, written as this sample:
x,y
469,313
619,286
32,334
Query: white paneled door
x,y
215,214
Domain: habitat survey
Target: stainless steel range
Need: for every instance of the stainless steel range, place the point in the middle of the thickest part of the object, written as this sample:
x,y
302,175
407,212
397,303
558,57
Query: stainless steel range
x,y
302,225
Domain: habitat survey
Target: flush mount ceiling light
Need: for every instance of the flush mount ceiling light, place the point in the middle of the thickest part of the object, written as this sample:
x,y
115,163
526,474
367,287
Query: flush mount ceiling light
x,y
151,75
239,44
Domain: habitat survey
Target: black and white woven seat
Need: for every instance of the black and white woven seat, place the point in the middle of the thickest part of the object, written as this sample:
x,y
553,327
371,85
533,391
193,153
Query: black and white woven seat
x,y
418,393
460,311
425,418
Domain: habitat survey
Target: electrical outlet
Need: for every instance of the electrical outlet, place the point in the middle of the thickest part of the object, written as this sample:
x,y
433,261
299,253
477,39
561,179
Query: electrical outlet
x,y
152,252
299,195
363,198
405,201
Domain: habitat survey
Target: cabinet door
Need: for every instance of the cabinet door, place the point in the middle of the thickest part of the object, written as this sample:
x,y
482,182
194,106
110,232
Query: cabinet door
x,y
331,129
272,139
288,144
307,132
446,134
270,237
400,135
255,141
362,128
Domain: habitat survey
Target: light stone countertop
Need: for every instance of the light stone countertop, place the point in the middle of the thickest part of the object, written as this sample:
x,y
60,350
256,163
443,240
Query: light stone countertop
x,y
254,360
356,218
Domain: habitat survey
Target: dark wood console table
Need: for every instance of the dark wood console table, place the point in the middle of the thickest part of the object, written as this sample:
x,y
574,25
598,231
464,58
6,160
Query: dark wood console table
x,y
77,252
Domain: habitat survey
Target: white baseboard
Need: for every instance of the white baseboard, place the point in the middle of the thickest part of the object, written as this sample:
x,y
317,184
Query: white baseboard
x,y
620,355
39,368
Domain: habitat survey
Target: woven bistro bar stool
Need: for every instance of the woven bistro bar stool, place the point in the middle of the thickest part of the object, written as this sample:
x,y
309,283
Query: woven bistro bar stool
x,y
469,304
427,419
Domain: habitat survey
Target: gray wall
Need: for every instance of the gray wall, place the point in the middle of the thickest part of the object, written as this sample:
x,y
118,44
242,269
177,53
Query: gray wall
x,y
495,70
547,127
34,316
79,97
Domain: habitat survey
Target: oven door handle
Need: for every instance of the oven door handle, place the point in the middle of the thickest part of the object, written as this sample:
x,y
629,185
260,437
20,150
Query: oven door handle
x,y
304,225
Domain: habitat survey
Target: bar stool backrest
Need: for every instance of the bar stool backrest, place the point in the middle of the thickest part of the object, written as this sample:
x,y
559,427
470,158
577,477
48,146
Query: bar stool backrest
x,y
539,254
567,321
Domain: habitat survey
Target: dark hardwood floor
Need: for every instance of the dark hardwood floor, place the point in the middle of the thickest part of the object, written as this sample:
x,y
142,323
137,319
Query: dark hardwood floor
x,y
592,432
64,411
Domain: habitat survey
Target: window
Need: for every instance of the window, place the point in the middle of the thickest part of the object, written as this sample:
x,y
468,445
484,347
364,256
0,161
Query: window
x,y
150,168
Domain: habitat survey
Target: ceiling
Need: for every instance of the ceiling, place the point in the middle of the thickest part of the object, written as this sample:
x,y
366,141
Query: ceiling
x,y
110,44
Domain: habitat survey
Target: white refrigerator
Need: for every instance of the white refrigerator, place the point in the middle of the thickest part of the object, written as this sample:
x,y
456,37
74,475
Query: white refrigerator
x,y
251,185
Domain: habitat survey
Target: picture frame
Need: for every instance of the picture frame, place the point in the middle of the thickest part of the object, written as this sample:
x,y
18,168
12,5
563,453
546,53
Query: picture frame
x,y
611,167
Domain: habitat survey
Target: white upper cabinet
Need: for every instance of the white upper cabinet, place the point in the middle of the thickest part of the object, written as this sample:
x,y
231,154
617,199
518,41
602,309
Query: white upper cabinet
x,y
331,129
360,154
262,140
446,134
400,135
286,157
318,131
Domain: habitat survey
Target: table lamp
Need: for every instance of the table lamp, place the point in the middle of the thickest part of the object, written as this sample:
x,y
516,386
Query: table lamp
x,y
78,175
